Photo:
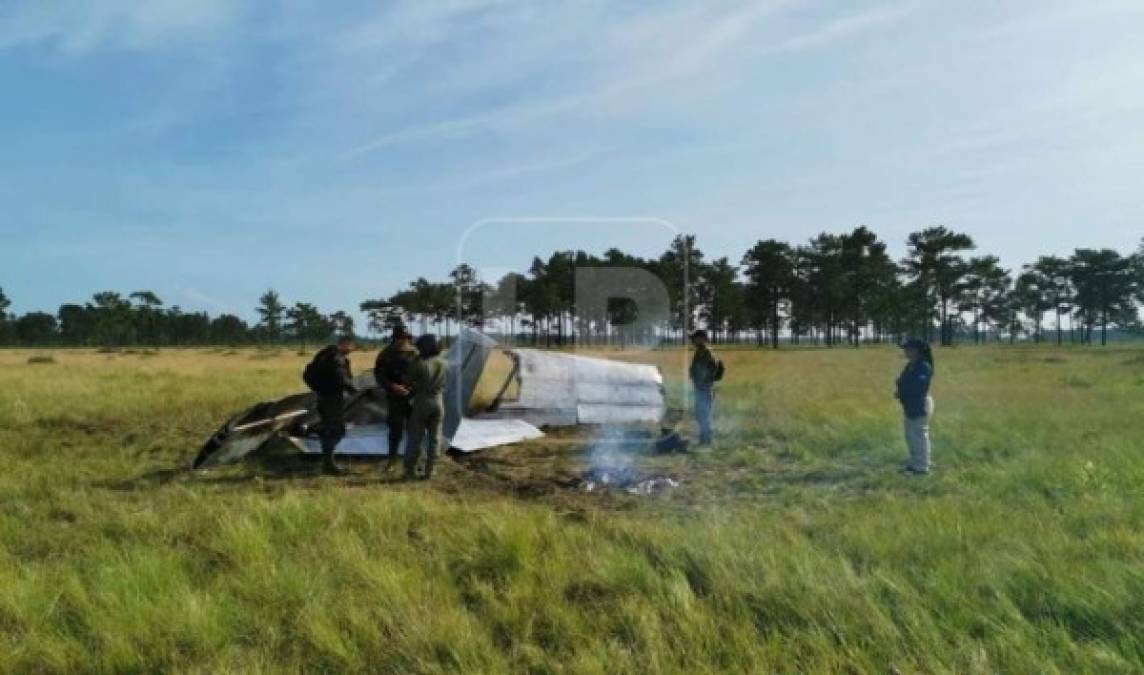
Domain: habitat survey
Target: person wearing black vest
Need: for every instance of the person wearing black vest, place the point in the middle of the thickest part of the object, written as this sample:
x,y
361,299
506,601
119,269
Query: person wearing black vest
x,y
394,374
330,378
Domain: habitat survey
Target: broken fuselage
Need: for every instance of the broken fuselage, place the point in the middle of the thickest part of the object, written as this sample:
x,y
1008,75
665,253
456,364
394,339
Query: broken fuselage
x,y
494,396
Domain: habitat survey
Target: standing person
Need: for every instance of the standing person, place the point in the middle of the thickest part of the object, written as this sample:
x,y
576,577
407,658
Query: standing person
x,y
428,406
329,376
394,373
913,389
705,371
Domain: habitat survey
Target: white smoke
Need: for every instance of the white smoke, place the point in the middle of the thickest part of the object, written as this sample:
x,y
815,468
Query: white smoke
x,y
612,464
609,458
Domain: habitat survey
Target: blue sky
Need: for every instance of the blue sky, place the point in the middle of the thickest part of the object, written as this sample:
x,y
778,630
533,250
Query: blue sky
x,y
210,149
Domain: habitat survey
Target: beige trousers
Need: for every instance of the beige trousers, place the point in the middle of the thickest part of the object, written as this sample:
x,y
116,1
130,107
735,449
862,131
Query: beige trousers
x,y
424,432
918,439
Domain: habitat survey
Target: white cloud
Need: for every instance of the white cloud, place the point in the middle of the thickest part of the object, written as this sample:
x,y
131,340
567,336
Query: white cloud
x,y
696,40
501,118
606,61
844,28
79,26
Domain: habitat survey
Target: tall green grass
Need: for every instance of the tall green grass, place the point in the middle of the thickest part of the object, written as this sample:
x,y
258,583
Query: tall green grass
x,y
792,546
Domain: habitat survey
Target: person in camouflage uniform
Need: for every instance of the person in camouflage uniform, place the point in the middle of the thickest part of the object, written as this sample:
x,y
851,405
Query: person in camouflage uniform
x,y
703,373
394,374
429,374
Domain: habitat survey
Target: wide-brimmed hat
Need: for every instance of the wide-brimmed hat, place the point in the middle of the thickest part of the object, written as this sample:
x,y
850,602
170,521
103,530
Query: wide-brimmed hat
x,y
699,334
913,343
400,332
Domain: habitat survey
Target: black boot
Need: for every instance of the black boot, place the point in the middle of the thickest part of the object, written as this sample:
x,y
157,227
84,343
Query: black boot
x,y
429,467
329,466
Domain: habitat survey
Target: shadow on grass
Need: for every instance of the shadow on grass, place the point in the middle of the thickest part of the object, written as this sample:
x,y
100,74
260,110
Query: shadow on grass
x,y
273,466
256,469
553,472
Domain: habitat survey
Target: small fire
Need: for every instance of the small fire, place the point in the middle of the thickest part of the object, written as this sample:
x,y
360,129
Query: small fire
x,y
611,464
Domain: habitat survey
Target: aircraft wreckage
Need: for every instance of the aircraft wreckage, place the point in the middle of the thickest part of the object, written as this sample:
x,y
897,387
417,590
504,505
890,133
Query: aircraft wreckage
x,y
494,396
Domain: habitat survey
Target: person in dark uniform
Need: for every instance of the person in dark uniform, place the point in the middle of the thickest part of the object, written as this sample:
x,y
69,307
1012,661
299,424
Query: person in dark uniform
x,y
704,373
913,391
330,377
394,374
429,375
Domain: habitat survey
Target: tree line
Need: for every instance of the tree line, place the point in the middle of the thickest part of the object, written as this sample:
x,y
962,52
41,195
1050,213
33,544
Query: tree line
x,y
112,319
834,289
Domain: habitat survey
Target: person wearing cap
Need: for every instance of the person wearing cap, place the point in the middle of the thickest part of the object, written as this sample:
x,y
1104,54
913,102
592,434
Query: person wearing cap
x,y
394,374
429,374
913,391
330,378
703,373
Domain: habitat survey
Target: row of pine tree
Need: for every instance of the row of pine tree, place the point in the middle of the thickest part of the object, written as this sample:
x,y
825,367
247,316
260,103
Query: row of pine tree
x,y
834,289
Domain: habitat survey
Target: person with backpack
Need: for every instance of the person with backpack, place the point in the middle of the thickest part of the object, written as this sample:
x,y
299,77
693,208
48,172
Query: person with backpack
x,y
429,375
913,391
705,371
330,378
394,374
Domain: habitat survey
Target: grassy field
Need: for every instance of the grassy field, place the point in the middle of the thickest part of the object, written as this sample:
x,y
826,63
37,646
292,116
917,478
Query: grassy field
x,y
792,546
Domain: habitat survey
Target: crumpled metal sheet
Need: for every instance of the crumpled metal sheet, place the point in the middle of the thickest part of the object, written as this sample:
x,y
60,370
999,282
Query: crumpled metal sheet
x,y
567,389
471,435
477,434
466,359
622,480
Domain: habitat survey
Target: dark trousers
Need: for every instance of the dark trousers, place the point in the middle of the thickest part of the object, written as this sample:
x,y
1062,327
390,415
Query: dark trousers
x,y
331,410
399,410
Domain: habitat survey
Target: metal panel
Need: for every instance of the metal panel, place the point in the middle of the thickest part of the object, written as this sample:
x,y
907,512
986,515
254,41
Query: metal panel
x,y
584,390
471,435
600,413
365,441
466,359
477,434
